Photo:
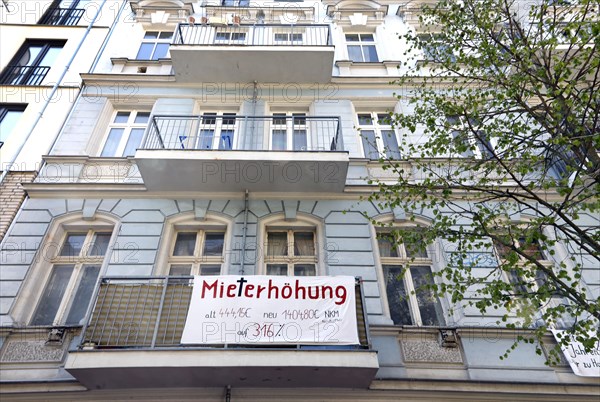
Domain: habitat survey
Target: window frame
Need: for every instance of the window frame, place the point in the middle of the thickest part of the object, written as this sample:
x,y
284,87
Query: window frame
x,y
5,108
222,123
290,127
197,259
79,263
403,261
380,133
291,259
128,127
30,77
362,44
476,144
155,42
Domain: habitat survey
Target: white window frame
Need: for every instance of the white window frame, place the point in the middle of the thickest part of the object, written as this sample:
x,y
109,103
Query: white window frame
x,y
127,128
403,260
155,42
477,149
222,121
362,44
381,132
198,259
5,110
293,122
291,260
79,262
230,36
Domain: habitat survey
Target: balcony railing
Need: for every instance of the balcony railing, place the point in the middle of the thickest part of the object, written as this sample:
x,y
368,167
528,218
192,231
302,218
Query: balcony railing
x,y
62,16
150,312
23,75
253,35
244,133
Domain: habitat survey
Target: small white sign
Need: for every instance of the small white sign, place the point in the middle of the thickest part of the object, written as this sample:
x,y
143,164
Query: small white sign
x,y
258,309
585,364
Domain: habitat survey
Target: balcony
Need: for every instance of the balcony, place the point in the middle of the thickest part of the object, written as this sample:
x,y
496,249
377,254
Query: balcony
x,y
132,340
24,75
247,53
228,153
62,16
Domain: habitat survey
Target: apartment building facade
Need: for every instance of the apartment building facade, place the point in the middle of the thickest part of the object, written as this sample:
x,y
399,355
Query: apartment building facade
x,y
45,46
239,138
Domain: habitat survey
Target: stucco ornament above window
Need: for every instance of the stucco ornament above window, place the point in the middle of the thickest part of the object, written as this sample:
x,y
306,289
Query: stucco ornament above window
x,y
357,13
157,12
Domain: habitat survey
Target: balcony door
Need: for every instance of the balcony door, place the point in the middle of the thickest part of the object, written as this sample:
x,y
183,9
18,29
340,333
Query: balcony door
x,y
289,132
216,132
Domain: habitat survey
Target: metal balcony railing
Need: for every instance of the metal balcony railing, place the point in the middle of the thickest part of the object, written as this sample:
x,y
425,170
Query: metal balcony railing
x,y
150,312
253,35
244,133
62,16
23,75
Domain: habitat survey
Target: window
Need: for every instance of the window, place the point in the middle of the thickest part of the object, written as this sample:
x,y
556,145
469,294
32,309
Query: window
x,y
434,49
225,37
235,3
9,117
291,252
361,48
155,45
524,281
216,131
289,132
288,38
378,136
72,280
469,140
125,133
65,12
32,63
409,301
198,252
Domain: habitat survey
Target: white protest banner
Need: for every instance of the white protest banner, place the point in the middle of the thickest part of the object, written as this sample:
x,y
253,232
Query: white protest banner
x,y
585,364
258,309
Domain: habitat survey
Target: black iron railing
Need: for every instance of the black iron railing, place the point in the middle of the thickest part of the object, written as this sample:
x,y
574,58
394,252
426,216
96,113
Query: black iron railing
x,y
62,16
150,312
23,75
245,133
253,35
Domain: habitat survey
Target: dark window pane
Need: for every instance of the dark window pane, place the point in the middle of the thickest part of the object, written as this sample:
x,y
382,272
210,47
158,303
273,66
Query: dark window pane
x,y
229,118
396,294
279,118
226,141
300,140
142,118
369,144
161,51
180,270
277,243
100,244
166,35
84,294
121,117
366,37
210,270
304,270
134,141
365,120
417,249
112,142
429,305
391,144
185,244
352,38
387,246
213,244
370,53
52,296
73,244
209,118
304,243
277,269
151,35
145,52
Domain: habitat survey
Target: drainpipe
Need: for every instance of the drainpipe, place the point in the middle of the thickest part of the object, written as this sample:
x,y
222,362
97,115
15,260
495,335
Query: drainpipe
x,y
53,92
245,231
